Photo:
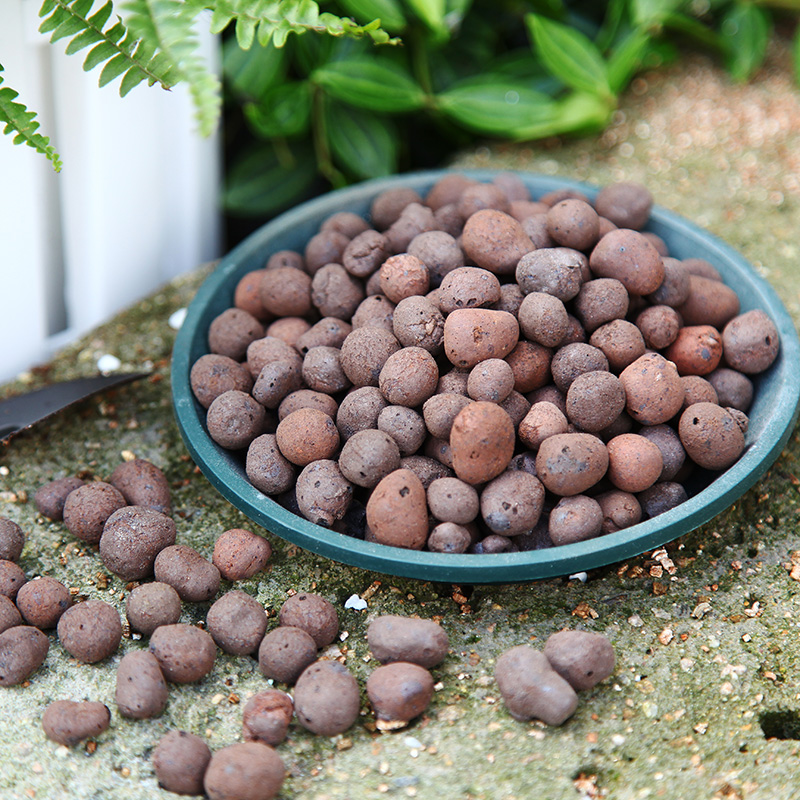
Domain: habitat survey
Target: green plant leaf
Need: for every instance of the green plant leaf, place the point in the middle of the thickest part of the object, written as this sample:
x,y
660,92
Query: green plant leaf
x,y
579,112
362,144
648,13
625,59
250,73
389,12
377,85
284,111
569,55
431,12
693,28
746,29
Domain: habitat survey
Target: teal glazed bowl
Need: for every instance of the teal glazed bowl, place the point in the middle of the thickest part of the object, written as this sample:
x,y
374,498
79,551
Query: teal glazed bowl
x,y
772,415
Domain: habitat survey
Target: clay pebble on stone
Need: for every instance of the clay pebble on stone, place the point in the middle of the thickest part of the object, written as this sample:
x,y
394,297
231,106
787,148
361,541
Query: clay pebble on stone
x,y
87,508
240,554
90,631
185,653
313,614
142,484
237,623
12,540
23,650
42,601
399,692
285,652
69,722
132,538
141,689
266,717
244,771
326,698
582,658
194,578
50,498
180,760
419,641
150,605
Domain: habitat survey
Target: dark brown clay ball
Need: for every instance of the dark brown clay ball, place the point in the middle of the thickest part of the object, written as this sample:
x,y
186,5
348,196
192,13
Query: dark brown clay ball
x,y
674,291
322,370
142,484
23,650
131,540
512,503
711,436
9,614
582,658
751,342
42,602
409,377
307,435
193,577
479,196
234,419
335,292
239,554
328,332
575,519
245,771
387,206
185,653
286,258
213,375
275,381
625,203
368,456
733,388
266,717
271,349
397,512
323,493
11,579
365,253
570,463
595,400
286,292
90,631
653,389
662,497
87,508
313,614
12,539
287,330
439,251
399,692
231,332
668,442
285,652
326,698
440,411
364,352
697,390
152,604
49,501
180,760
628,256
69,722
141,690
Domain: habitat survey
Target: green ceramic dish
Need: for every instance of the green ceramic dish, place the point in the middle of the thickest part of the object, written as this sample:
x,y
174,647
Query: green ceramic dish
x,y
772,416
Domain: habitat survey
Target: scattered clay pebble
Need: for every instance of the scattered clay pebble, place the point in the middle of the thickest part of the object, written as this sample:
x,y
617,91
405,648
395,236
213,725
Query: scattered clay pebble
x,y
11,578
50,498
419,641
69,722
131,540
244,771
285,652
87,508
237,623
399,692
266,717
397,513
9,614
23,650
142,484
90,631
326,698
482,440
180,760
141,690
532,689
42,602
193,577
314,614
240,554
151,605
581,658
12,540
185,653
711,436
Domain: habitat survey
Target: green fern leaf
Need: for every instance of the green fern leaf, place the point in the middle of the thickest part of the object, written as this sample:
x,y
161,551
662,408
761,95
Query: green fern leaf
x,y
20,122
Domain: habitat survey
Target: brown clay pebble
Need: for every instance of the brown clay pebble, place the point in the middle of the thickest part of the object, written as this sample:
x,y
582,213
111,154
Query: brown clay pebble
x,y
399,692
532,689
405,426
286,292
364,352
234,419
468,287
368,456
495,241
271,349
266,467
751,342
49,501
23,650
87,508
335,292
214,375
359,410
9,614
482,441
232,331
328,332
601,301
42,602
193,577
697,390
621,342
142,484
417,322
90,631
141,691
448,537
313,614
543,319
131,540
733,389
542,420
653,389
237,623
512,503
180,760
11,579
419,641
575,519
185,653
286,329
305,398
574,359
711,436
152,604
365,253
323,493
620,510
286,258
570,463
247,295
409,377
581,658
402,276
266,717
672,453
439,413
629,257
554,270
595,400
697,350
491,380
710,302
322,370
245,771
397,512
285,652
662,497
240,554
275,381
634,462
307,435
326,698
453,500
69,722
625,203
573,223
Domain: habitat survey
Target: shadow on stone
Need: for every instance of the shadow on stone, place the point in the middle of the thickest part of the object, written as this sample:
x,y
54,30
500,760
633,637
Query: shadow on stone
x,y
780,724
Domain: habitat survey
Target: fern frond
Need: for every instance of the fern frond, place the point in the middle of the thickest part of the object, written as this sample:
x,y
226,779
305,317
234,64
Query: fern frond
x,y
168,26
273,21
121,51
20,122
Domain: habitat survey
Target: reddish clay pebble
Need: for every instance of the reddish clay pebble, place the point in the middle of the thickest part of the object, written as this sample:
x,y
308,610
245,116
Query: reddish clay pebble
x,y
42,602
482,441
240,554
397,512
479,196
402,276
573,223
285,652
69,722
247,295
419,641
180,760
543,319
9,614
193,577
710,302
595,400
232,331
409,377
305,398
575,519
620,510
185,653
287,330
90,631
323,493
142,484
307,435
751,342
49,501
214,375
326,698
532,689
711,436
286,292
237,623
132,538
87,508
150,605
512,503
345,222
634,462
625,203
629,257
653,389
468,287
697,390
447,190
245,771
697,350
266,717
399,692
266,467
448,537
495,241
570,463
11,579
733,388
23,650
314,614
582,658
542,420
234,419
453,500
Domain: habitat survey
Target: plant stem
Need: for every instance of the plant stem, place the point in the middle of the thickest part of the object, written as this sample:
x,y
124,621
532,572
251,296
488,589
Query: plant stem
x,y
321,146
